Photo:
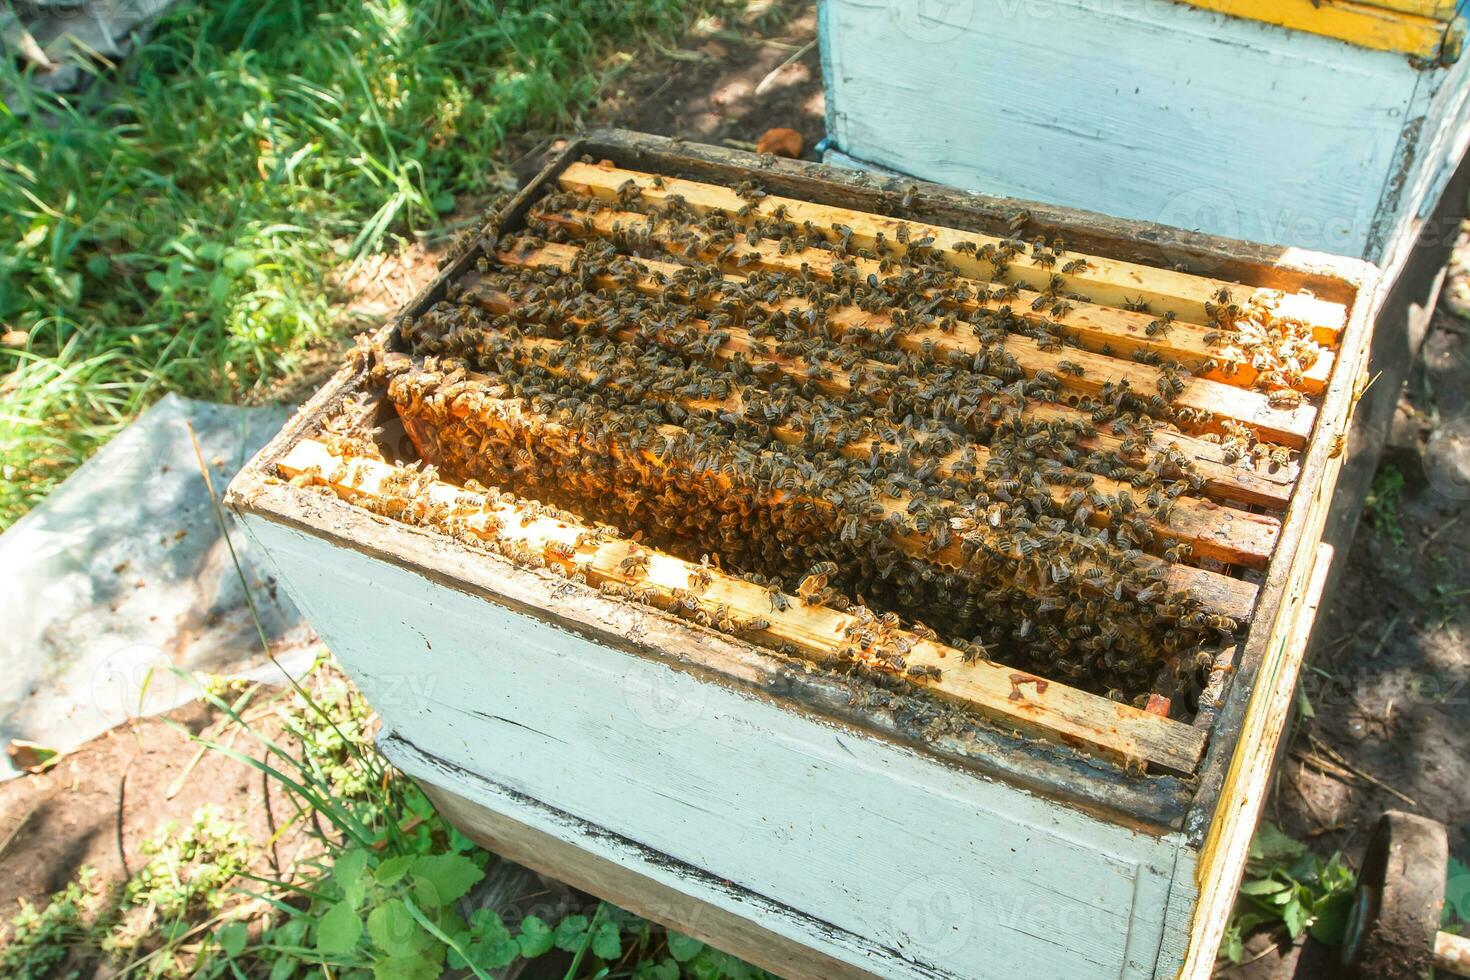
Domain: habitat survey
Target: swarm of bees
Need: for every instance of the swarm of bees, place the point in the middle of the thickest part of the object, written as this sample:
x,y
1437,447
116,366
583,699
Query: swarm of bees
x,y
1280,350
732,413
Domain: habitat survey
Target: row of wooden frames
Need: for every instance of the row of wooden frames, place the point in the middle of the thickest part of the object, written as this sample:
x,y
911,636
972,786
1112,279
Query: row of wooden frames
x,y
1232,524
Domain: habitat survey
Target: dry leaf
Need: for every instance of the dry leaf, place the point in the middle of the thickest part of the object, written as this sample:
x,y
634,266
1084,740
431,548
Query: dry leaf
x,y
781,141
30,757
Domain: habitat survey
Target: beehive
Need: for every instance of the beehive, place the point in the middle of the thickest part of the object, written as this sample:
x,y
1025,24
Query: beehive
x,y
746,422
1159,110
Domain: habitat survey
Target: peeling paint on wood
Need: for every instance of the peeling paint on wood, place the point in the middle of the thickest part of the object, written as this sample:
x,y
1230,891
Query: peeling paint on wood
x,y
927,864
1153,110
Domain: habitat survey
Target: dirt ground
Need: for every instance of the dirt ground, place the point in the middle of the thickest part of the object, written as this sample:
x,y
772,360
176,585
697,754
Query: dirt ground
x,y
1389,672
98,805
1389,703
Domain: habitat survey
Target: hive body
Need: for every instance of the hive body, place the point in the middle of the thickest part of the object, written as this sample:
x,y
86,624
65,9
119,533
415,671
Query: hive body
x,y
773,568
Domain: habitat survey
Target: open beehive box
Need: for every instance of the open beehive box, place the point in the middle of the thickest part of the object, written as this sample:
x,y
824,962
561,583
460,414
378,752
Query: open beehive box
x,y
864,576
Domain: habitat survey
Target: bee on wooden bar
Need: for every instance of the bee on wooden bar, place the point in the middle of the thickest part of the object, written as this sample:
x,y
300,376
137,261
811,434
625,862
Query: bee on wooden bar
x,y
635,563
1284,398
1161,326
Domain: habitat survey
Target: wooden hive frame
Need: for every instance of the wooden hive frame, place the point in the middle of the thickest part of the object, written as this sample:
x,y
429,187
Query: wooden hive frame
x,y
1204,782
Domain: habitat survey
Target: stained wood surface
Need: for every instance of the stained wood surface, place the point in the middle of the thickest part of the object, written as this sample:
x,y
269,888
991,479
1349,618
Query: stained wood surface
x,y
1221,861
1235,781
615,879
1420,29
1215,592
1083,115
281,519
1017,699
1255,409
1438,9
1096,328
774,800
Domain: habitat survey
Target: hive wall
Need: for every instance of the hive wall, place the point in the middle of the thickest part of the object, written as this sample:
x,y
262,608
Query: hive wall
x,y
866,851
1151,110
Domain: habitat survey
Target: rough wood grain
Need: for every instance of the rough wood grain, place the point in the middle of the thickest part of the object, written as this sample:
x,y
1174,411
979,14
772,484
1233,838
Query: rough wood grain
x,y
1222,859
1379,26
615,879
1083,125
319,538
1224,479
775,801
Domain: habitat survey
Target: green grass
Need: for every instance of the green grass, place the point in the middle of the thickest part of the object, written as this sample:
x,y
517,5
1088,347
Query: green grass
x,y
180,227
1381,507
1288,888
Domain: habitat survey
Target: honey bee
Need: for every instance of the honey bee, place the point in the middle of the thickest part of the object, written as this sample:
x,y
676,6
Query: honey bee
x,y
635,564
1160,327
1284,398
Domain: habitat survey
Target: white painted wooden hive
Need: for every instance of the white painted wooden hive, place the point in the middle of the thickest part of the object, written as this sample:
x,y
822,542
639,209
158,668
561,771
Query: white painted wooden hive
x,y
755,796
1330,126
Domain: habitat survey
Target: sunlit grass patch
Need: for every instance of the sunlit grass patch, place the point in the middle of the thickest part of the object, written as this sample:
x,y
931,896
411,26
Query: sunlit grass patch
x,y
180,227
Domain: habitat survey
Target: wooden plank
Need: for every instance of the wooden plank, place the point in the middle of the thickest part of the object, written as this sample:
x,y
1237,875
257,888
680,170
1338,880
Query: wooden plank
x,y
1027,703
1433,144
1100,329
1437,9
1288,425
1247,785
1084,116
312,529
1235,780
1104,280
439,581
1368,25
618,716
1224,534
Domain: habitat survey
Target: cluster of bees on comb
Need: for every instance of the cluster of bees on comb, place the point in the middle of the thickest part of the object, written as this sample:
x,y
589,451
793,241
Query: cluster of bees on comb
x,y
814,431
